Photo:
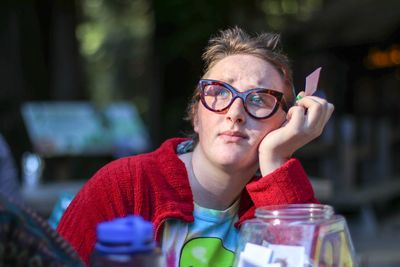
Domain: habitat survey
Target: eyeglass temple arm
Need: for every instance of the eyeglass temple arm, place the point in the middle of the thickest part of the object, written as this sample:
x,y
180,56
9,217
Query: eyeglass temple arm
x,y
285,105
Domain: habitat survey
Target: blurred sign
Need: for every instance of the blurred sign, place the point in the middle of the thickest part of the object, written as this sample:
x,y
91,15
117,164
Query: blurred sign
x,y
78,128
127,131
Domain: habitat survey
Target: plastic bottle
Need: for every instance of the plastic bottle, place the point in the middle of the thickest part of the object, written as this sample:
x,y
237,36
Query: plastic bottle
x,y
125,242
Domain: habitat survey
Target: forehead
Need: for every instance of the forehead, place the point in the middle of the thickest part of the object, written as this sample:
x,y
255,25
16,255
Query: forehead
x,y
245,72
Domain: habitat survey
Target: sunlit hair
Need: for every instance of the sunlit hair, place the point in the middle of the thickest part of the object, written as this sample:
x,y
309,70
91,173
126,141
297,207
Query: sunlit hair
x,y
235,41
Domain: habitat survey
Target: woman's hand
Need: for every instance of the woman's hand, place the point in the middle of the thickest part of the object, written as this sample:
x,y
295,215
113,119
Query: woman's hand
x,y
305,121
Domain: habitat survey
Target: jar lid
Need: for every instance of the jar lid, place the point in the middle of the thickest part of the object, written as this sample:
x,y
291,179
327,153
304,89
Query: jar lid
x,y
295,211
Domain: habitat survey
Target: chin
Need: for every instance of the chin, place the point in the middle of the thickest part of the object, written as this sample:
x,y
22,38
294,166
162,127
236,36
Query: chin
x,y
234,159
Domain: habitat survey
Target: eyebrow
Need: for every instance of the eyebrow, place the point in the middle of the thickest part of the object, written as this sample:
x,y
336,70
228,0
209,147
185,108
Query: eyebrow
x,y
230,81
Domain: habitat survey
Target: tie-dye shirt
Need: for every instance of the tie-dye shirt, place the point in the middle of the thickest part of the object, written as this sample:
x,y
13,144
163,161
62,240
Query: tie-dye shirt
x,y
209,241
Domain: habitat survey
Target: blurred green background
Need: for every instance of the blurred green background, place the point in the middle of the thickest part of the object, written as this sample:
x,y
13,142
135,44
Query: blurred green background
x,y
148,53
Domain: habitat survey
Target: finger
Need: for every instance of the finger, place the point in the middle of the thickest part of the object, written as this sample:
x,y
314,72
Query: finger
x,y
300,95
314,105
315,119
318,115
310,100
317,98
327,111
296,117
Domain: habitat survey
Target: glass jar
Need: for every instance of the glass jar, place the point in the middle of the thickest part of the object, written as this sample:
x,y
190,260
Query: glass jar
x,y
295,235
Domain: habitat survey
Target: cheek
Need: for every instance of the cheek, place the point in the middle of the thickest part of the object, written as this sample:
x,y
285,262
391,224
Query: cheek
x,y
196,123
202,120
272,124
276,122
195,115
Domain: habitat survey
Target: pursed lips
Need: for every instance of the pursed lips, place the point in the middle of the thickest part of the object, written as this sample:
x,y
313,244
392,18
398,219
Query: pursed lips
x,y
233,135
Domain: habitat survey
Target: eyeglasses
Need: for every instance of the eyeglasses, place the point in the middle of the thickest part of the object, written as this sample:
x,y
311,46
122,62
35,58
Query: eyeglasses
x,y
259,103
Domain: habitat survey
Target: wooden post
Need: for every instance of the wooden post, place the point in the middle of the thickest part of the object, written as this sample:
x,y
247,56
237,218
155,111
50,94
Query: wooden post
x,y
383,157
345,181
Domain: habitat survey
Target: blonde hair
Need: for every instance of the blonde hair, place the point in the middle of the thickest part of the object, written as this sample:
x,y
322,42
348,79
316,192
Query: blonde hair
x,y
236,41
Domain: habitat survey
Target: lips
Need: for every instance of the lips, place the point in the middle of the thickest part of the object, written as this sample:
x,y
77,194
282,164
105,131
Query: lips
x,y
232,136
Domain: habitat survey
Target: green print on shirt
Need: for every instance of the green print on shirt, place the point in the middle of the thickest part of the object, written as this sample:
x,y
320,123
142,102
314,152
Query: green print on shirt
x,y
204,252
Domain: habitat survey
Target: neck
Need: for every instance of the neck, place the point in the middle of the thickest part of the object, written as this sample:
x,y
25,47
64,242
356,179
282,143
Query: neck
x,y
215,187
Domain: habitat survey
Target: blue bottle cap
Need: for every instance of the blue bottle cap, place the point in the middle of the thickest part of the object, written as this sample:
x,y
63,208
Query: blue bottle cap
x,y
125,235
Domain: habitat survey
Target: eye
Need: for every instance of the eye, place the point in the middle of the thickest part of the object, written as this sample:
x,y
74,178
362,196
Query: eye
x,y
261,100
256,100
216,91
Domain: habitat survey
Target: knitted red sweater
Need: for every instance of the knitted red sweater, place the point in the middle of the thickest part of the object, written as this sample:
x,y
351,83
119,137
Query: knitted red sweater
x,y
155,185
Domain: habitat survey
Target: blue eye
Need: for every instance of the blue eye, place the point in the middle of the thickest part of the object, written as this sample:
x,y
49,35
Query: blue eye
x,y
261,100
216,91
256,100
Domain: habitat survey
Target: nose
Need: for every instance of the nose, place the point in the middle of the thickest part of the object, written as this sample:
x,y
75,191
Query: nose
x,y
236,112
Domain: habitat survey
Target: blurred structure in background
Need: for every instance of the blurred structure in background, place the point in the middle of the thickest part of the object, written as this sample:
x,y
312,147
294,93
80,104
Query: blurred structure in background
x,y
9,184
146,55
116,40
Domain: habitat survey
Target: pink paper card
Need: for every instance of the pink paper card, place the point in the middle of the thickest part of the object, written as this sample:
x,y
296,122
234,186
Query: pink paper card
x,y
312,82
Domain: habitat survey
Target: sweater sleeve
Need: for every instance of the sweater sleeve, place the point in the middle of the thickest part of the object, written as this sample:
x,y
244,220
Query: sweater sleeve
x,y
286,185
99,200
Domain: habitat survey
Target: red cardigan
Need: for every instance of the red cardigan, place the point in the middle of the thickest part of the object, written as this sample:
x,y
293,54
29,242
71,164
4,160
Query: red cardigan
x,y
155,185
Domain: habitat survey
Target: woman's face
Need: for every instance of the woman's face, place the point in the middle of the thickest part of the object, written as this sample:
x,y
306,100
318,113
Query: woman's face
x,y
231,138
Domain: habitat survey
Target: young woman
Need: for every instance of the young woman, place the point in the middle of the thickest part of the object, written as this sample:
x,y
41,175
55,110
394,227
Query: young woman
x,y
198,191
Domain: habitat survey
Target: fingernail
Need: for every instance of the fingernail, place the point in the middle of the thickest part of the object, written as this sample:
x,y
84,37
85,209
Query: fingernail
x,y
298,97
